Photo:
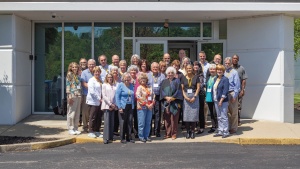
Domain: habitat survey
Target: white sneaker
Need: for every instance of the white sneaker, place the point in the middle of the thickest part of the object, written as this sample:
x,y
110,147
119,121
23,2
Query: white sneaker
x,y
92,135
77,132
98,134
72,132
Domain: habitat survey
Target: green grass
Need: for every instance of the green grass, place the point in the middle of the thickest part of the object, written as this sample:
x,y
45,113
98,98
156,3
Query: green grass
x,y
296,98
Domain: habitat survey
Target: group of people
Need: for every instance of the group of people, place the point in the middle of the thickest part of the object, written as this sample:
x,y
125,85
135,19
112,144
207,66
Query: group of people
x,y
133,97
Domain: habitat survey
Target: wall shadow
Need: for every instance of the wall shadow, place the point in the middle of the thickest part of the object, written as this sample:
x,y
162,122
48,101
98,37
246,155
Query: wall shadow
x,y
5,100
39,126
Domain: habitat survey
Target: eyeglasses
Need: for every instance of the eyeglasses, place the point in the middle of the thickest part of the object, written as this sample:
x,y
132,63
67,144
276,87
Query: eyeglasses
x,y
82,62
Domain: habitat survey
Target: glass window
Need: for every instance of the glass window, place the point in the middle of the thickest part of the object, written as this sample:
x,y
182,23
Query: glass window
x,y
207,29
174,30
128,30
128,50
107,40
47,73
211,49
152,52
150,30
184,30
78,42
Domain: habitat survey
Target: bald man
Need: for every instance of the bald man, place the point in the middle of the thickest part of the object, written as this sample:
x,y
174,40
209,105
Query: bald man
x,y
167,59
115,60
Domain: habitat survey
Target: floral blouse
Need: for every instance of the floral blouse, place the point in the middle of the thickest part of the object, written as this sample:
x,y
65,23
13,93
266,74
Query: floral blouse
x,y
73,85
144,96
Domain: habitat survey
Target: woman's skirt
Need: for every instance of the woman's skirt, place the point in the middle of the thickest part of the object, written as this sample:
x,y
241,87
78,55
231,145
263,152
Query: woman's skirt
x,y
191,110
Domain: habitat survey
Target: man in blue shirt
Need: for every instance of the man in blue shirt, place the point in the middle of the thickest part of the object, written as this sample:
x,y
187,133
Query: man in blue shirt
x,y
234,88
155,80
105,68
85,77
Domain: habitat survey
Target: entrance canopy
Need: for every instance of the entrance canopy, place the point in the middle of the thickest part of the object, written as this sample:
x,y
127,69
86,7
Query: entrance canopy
x,y
149,11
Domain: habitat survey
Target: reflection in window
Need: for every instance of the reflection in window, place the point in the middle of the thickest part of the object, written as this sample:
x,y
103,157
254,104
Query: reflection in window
x,y
152,52
207,29
128,30
174,30
107,40
78,42
128,50
211,49
47,73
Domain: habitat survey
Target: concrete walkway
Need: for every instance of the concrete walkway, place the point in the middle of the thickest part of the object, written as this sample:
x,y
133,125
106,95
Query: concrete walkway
x,y
251,132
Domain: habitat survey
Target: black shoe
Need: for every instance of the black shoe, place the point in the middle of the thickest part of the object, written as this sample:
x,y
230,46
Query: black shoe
x,y
143,140
193,135
123,141
188,135
157,134
105,141
200,131
148,139
211,130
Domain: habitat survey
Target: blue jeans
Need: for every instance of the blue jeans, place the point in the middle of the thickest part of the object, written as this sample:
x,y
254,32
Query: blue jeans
x,y
222,117
144,122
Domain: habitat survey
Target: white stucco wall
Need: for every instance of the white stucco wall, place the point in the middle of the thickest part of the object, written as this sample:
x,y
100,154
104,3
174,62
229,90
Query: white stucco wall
x,y
15,69
297,76
265,47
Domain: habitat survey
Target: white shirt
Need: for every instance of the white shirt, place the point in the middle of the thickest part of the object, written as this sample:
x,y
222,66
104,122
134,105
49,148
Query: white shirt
x,y
94,92
108,95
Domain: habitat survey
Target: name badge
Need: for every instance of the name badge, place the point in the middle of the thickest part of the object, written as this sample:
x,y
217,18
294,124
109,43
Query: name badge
x,y
208,90
149,98
155,85
78,87
129,99
189,91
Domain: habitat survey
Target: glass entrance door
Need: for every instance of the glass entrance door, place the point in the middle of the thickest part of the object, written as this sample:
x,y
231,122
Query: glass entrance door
x,y
212,48
153,51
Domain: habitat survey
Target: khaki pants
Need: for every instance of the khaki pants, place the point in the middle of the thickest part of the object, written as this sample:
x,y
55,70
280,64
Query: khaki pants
x,y
73,113
233,113
85,114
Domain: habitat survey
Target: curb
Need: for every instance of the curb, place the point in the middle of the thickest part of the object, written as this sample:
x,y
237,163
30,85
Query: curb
x,y
88,140
36,145
260,141
65,141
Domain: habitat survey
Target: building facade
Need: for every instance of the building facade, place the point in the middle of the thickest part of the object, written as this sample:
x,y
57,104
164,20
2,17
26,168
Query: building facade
x,y
38,39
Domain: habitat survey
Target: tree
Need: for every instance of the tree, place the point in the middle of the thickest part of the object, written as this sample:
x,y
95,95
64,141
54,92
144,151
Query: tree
x,y
297,38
